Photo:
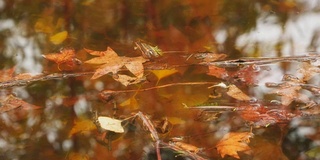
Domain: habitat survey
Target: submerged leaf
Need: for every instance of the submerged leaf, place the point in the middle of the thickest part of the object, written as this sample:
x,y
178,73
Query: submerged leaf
x,y
82,125
66,56
59,37
234,142
163,73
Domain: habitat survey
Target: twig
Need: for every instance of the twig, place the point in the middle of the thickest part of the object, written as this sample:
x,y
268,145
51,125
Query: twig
x,y
23,82
107,92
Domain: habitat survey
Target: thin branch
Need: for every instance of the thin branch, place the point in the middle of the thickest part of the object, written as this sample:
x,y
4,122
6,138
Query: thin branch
x,y
107,92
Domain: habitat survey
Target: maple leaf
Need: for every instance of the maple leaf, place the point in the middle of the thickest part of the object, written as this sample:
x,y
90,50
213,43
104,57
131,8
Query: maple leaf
x,y
66,56
111,63
234,142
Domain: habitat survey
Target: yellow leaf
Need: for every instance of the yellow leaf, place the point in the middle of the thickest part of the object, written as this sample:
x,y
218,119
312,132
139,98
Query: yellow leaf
x,y
163,73
77,156
59,37
82,125
44,25
132,103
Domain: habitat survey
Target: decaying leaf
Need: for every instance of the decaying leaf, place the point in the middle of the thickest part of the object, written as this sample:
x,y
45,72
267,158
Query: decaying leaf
x,y
308,71
210,57
131,103
111,63
67,56
217,72
234,142
236,93
82,125
110,124
127,80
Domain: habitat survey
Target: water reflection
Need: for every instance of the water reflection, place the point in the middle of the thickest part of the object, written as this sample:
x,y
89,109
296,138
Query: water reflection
x,y
237,28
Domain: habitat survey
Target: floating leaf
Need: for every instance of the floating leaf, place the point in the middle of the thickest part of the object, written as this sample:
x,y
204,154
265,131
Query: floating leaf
x,y
11,102
234,142
111,124
111,63
59,37
66,56
236,93
131,103
82,125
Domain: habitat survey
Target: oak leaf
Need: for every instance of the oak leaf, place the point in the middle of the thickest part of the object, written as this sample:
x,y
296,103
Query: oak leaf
x,y
234,142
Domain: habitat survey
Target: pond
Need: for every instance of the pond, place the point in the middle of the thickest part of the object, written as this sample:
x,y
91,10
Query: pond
x,y
146,79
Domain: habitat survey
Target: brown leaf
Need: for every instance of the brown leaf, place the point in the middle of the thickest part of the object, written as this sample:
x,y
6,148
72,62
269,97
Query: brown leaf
x,y
236,93
11,102
234,142
127,80
308,71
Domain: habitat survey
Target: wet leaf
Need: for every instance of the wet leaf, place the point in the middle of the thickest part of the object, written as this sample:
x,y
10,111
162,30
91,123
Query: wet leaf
x,y
66,56
313,153
59,37
234,142
111,63
163,73
210,57
110,124
236,93
127,80
82,125
308,71
11,102
6,75
217,72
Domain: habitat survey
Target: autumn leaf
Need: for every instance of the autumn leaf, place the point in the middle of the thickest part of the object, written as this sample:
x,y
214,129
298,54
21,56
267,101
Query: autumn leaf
x,y
66,56
110,124
163,73
77,156
308,71
111,63
235,92
59,37
131,103
234,142
82,125
11,102
6,75
217,72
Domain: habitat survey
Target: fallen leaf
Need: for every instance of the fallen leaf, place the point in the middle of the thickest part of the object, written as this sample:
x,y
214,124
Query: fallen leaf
x,y
66,56
308,71
235,92
82,125
6,75
234,142
163,73
217,72
59,37
11,102
210,57
110,124
111,63
127,80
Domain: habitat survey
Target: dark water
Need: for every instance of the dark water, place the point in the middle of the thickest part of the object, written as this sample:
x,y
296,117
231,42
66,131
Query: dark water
x,y
243,28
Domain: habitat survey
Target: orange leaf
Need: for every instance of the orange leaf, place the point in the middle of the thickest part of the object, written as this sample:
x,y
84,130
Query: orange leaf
x,y
217,72
82,125
234,142
66,56
111,63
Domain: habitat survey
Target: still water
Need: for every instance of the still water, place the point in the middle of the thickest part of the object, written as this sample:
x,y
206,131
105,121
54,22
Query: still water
x,y
52,114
